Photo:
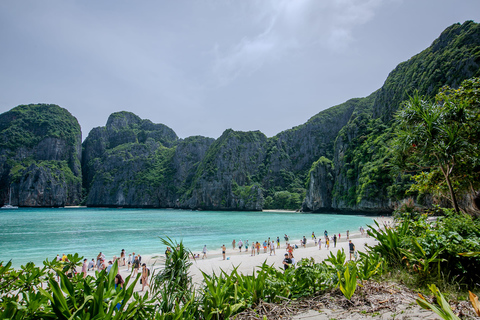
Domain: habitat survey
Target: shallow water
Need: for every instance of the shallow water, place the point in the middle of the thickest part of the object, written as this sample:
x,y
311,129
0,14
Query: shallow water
x,y
35,234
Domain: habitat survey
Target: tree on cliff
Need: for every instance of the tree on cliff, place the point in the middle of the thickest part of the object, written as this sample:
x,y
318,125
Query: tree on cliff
x,y
441,140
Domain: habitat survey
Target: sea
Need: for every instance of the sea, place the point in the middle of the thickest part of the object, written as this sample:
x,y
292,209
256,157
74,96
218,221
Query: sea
x,y
34,234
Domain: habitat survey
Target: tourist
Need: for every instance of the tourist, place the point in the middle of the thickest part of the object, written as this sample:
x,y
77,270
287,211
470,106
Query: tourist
x,y
253,249
204,252
348,234
325,234
129,261
327,243
58,258
258,247
286,262
119,281
102,265
313,236
272,248
351,247
290,256
304,242
265,246
285,237
246,246
64,257
240,245
144,278
91,265
84,268
110,265
224,249
339,236
119,284
233,244
334,240
289,249
319,244
168,252
100,257
278,243
135,266
122,257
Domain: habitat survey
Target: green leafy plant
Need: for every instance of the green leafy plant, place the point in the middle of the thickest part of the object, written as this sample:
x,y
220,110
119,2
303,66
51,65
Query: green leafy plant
x,y
347,283
442,308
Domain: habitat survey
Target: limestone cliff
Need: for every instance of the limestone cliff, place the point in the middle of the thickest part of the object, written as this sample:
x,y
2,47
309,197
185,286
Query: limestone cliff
x,y
40,152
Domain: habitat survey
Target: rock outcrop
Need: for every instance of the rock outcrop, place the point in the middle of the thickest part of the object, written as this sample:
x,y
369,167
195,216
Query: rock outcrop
x,y
40,156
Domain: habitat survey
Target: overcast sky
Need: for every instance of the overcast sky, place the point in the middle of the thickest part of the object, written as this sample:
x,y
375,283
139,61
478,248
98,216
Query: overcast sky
x,y
203,66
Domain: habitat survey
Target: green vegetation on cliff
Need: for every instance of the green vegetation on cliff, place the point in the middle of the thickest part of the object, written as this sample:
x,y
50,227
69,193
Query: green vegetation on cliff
x,y
27,125
452,58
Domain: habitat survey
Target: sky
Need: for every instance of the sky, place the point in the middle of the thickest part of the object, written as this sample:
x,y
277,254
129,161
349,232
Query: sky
x,y
204,66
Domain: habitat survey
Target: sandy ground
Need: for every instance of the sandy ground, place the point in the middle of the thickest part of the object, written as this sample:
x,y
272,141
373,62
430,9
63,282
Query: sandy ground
x,y
246,262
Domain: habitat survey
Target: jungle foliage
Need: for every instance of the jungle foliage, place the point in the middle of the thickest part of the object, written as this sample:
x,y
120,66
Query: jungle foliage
x,y
27,125
439,141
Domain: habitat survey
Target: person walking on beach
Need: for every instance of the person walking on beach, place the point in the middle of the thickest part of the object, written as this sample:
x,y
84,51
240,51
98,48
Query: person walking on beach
x,y
351,248
129,261
325,233
204,252
265,246
334,240
135,266
240,245
253,249
246,246
145,274
290,255
272,248
286,262
84,268
233,244
258,247
304,242
348,234
100,256
327,243
278,243
224,249
122,257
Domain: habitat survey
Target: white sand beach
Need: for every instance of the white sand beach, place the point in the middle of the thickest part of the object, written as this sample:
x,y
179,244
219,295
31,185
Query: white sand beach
x,y
246,263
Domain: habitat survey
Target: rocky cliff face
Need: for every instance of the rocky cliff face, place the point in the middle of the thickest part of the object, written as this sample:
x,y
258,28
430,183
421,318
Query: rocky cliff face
x,y
319,186
361,159
342,152
120,159
40,152
223,179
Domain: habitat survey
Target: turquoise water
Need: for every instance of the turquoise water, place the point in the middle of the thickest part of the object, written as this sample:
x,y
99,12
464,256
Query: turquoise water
x,y
35,234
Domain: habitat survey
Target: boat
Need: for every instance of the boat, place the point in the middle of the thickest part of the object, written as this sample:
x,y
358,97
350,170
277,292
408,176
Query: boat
x,y
9,206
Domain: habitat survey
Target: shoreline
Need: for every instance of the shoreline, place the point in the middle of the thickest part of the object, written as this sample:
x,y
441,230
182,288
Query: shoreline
x,y
247,264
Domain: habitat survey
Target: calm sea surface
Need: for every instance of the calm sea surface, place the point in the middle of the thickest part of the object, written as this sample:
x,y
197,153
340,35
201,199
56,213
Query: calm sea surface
x,y
35,234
